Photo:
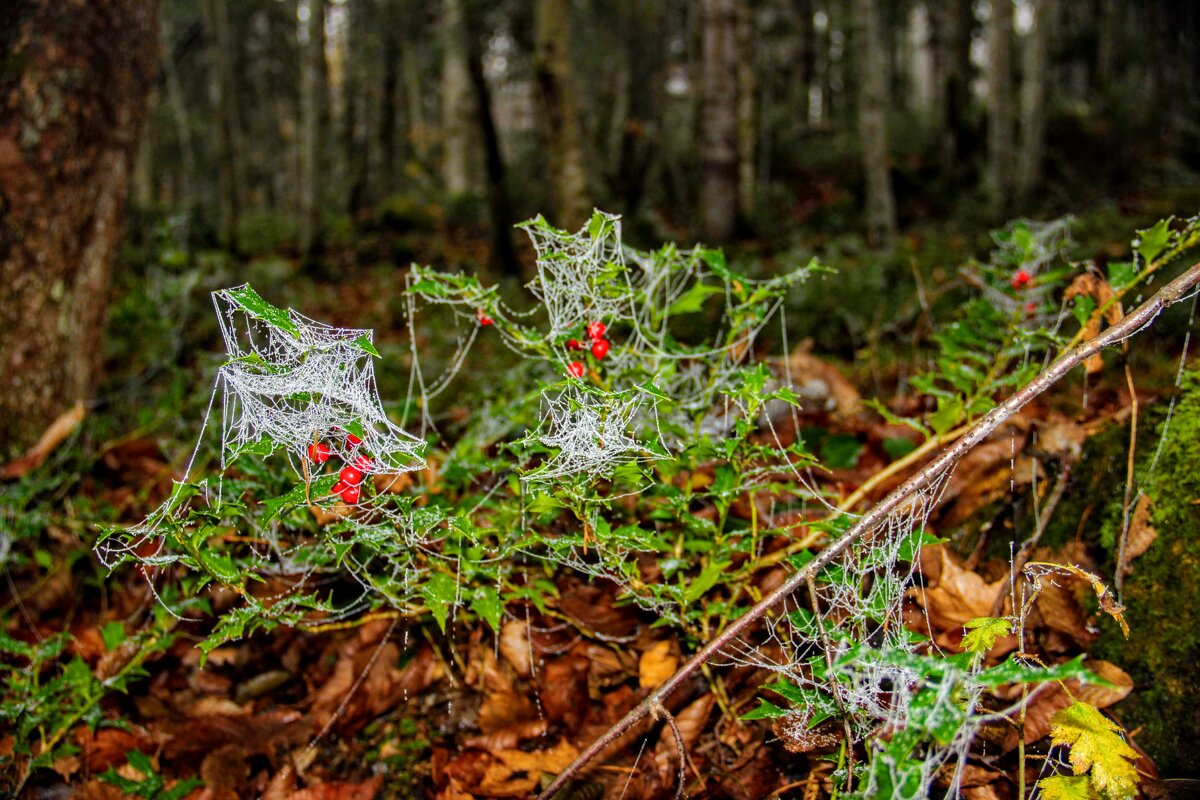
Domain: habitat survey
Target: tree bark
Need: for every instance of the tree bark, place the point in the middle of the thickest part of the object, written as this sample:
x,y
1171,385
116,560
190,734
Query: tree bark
x,y
718,121
1033,100
557,107
73,100
312,93
504,257
1000,112
747,91
872,126
457,111
390,100
227,131
185,197
955,21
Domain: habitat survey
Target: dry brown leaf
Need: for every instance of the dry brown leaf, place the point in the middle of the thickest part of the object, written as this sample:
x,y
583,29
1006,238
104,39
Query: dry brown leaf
x,y
1141,533
51,438
340,791
691,722
517,773
957,596
1103,696
1095,287
814,378
657,663
514,646
564,682
508,737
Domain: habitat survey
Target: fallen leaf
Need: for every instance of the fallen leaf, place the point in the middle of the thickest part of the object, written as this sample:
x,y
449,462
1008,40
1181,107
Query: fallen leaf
x,y
51,438
657,663
517,773
340,791
691,722
514,646
1141,533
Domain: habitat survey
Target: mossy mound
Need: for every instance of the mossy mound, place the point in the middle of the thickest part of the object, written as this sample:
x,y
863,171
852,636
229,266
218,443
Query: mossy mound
x,y
1162,593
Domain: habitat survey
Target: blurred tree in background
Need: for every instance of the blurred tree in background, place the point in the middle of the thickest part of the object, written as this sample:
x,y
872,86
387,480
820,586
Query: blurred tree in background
x,y
73,90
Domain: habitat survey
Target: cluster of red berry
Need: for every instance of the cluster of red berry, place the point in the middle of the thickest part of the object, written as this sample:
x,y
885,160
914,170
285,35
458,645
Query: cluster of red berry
x,y
349,485
600,346
1020,279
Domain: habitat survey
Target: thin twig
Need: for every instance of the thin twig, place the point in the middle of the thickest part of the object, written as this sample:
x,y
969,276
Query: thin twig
x,y
1131,324
1128,499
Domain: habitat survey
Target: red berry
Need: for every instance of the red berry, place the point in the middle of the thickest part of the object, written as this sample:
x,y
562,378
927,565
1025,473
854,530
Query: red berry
x,y
483,318
351,494
318,453
1021,279
575,368
338,488
1031,308
595,330
573,344
600,348
363,463
351,476
352,440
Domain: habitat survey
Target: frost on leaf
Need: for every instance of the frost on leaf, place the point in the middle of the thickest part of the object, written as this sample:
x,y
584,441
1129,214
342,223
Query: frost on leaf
x,y
1096,745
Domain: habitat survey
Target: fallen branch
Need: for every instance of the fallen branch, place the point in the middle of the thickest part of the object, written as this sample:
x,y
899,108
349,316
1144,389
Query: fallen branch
x,y
1130,325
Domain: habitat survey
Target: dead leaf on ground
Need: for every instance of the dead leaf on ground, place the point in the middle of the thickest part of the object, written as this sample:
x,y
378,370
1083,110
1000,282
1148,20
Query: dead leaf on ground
x,y
564,683
1141,533
515,648
657,663
340,791
51,438
382,687
956,596
691,722
516,773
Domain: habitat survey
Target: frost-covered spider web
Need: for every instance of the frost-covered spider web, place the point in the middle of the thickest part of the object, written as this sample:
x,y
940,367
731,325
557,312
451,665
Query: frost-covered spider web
x,y
293,382
296,387
613,413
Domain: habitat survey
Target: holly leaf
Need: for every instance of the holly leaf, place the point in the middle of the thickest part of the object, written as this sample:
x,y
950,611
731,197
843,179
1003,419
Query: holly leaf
x,y
1067,787
1096,745
1153,241
983,633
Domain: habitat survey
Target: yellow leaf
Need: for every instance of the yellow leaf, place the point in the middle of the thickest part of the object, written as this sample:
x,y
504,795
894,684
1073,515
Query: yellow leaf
x,y
1096,745
984,631
1067,787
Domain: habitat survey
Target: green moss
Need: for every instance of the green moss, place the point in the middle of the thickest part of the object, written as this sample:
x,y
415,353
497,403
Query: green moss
x,y
1162,593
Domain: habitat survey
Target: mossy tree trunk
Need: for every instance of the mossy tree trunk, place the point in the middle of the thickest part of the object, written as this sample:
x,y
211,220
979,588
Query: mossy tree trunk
x,y
73,96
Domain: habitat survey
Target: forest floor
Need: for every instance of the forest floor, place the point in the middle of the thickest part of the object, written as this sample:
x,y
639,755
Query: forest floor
x,y
386,707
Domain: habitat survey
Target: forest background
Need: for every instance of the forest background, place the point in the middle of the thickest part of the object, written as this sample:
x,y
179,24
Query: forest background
x,y
153,152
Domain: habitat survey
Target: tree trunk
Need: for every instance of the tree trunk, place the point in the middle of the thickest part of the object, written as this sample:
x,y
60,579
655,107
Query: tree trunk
x,y
185,197
227,132
390,100
556,101
64,174
1033,100
357,105
747,91
312,92
1000,111
504,257
955,21
872,126
457,112
718,121
414,101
